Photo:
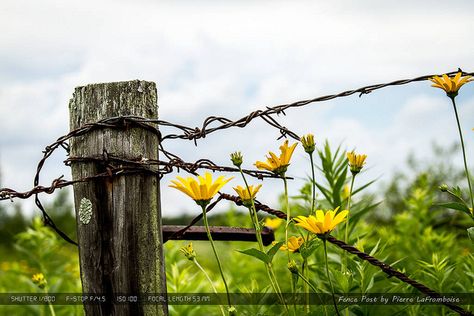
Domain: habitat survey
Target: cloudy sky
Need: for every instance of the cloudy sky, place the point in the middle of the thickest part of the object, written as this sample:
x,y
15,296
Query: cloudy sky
x,y
230,58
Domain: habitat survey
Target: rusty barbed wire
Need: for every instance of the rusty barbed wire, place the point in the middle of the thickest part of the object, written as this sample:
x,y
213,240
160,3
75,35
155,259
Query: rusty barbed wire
x,y
125,122
391,272
142,164
266,115
386,268
258,205
193,133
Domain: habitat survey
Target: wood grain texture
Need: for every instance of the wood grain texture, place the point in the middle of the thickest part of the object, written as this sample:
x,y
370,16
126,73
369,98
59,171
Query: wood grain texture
x,y
121,248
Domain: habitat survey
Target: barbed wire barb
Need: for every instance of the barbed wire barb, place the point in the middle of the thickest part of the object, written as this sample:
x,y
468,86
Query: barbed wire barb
x,y
141,165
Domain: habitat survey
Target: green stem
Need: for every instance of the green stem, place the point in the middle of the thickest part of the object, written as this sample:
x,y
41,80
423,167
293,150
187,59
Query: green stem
x,y
463,152
312,211
329,277
51,309
346,234
253,213
258,232
313,179
288,217
307,282
305,279
208,231
278,290
210,281
306,288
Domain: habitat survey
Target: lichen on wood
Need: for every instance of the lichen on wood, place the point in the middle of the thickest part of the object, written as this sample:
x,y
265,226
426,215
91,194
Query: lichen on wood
x,y
121,250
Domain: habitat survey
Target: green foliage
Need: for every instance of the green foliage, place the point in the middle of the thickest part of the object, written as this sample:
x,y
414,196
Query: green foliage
x,y
262,256
334,169
12,222
40,251
412,230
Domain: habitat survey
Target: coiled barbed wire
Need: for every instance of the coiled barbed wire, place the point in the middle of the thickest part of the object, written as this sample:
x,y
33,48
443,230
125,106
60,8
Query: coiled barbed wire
x,y
142,164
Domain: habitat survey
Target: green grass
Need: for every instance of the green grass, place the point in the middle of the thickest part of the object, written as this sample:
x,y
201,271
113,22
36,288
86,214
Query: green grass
x,y
406,230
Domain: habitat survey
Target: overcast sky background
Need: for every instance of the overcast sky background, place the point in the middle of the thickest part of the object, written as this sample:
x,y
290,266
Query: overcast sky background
x,y
230,58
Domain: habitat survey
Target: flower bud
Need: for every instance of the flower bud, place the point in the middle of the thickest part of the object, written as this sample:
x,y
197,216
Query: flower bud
x,y
308,143
356,162
237,159
232,311
443,188
39,280
189,251
293,267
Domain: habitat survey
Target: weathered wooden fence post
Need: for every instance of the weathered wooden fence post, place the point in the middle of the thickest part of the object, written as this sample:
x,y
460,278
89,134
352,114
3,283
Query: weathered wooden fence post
x,y
120,241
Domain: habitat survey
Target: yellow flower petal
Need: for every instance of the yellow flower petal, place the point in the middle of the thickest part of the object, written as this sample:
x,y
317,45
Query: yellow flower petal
x,y
450,85
201,188
323,223
320,215
273,223
340,217
278,164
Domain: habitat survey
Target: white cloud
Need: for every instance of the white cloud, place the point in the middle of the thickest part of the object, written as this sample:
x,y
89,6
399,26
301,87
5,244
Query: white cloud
x,y
229,59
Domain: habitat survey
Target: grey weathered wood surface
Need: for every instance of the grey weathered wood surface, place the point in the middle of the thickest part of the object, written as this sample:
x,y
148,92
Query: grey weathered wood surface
x,y
121,247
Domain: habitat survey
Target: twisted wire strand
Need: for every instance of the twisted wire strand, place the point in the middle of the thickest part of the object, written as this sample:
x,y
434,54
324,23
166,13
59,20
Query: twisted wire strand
x,y
391,272
388,269
125,122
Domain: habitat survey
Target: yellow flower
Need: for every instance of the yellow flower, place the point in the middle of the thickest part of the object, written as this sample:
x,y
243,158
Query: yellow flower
x,y
244,193
188,251
321,223
450,85
273,223
308,143
294,244
275,164
201,190
39,280
356,162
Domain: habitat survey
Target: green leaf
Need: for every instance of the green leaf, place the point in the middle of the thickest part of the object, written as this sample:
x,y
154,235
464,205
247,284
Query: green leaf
x,y
256,254
341,166
455,206
374,250
470,233
308,248
272,251
354,218
456,193
336,190
325,192
363,187
294,279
